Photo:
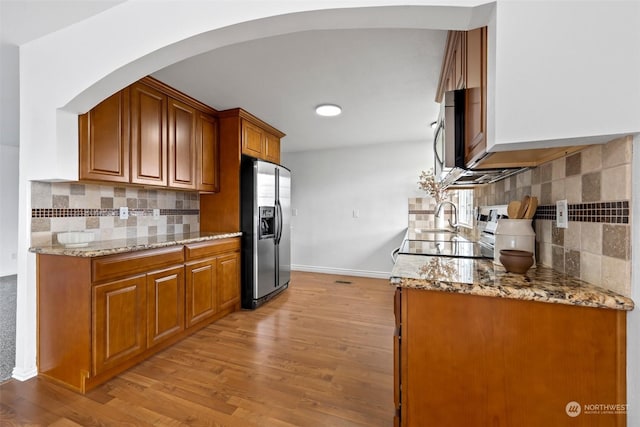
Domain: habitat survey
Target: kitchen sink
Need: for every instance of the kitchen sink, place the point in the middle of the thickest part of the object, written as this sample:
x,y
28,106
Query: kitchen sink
x,y
435,235
449,248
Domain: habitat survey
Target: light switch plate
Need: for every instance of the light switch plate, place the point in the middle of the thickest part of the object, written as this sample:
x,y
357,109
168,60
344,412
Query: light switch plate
x,y
156,214
124,212
562,214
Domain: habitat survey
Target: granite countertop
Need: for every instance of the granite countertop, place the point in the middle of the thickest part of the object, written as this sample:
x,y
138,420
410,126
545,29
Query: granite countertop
x,y
482,277
110,247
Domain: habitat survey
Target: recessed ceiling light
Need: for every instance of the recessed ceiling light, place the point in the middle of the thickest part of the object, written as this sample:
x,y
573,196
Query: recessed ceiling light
x,y
328,110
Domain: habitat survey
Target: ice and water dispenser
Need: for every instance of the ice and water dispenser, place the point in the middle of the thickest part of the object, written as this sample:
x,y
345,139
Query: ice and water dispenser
x,y
267,222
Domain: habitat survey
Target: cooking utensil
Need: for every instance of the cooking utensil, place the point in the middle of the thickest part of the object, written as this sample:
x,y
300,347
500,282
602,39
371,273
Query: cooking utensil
x,y
531,210
524,205
513,208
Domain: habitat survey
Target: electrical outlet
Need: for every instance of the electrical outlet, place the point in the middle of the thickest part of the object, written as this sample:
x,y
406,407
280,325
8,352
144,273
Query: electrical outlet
x,y
156,214
562,214
124,212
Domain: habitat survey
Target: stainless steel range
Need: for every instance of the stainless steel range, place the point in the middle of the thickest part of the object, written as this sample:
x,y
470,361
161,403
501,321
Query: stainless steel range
x,y
487,221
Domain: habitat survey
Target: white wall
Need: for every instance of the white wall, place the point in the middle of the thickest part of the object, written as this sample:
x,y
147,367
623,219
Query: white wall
x,y
633,317
565,69
10,99
8,209
9,140
328,185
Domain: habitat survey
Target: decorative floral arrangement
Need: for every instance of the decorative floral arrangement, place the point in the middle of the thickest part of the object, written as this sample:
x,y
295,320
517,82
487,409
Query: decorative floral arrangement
x,y
433,188
439,268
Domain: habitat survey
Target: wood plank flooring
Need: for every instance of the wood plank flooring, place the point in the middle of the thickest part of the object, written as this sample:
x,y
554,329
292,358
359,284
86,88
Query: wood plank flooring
x,y
320,354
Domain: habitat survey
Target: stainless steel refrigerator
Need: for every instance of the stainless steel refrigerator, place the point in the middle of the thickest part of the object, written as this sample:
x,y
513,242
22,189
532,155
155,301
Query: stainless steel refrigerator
x,y
266,230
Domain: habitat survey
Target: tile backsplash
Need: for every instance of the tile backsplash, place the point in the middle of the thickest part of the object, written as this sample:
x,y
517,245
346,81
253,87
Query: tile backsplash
x,y
422,214
596,182
60,207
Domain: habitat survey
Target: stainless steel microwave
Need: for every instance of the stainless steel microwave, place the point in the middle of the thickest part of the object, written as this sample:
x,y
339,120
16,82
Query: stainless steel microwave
x,y
449,147
448,138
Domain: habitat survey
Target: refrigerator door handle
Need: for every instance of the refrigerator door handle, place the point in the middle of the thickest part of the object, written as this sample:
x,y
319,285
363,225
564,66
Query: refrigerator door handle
x,y
278,221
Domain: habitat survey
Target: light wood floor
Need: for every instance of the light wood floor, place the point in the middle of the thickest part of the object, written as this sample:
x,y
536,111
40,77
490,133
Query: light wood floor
x,y
321,354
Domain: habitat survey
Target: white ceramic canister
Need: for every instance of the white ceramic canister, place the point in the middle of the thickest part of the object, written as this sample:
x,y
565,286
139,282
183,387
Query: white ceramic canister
x,y
514,234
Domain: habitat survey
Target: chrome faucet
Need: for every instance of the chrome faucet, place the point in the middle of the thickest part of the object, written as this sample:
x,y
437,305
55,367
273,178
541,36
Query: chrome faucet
x,y
439,206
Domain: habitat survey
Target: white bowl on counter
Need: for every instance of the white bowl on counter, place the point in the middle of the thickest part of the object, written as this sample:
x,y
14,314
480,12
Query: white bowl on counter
x,y
76,239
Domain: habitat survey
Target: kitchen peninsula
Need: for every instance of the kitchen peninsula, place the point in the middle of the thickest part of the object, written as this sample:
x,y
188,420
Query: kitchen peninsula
x,y
108,305
476,345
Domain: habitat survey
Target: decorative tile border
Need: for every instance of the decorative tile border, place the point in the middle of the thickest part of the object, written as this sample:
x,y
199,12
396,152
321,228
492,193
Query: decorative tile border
x,y
64,213
600,212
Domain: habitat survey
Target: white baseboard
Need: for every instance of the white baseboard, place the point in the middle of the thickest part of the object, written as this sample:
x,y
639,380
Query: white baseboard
x,y
22,375
341,271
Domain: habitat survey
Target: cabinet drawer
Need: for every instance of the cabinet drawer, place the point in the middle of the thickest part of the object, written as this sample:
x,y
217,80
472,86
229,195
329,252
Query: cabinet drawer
x,y
205,249
122,265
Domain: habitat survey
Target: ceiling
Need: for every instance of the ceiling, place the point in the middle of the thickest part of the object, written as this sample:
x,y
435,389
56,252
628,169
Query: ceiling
x,y
26,20
384,79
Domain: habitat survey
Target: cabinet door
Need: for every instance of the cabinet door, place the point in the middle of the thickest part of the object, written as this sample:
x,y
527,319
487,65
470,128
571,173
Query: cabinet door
x,y
228,267
201,299
165,304
474,57
104,140
252,140
148,136
459,61
271,148
182,145
397,367
207,153
476,103
119,322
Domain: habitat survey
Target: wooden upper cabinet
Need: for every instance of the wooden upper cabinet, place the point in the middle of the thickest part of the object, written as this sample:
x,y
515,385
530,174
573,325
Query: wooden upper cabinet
x,y
207,153
104,140
271,148
252,139
182,144
465,67
151,134
458,68
148,136
453,72
260,143
476,100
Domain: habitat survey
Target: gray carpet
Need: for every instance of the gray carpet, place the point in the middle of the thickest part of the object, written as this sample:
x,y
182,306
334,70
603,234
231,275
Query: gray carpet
x,y
7,326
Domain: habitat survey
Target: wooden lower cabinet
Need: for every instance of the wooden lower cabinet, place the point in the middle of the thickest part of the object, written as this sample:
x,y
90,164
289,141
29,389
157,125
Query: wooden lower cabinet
x,y
165,304
119,321
201,303
213,280
486,361
228,267
99,316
